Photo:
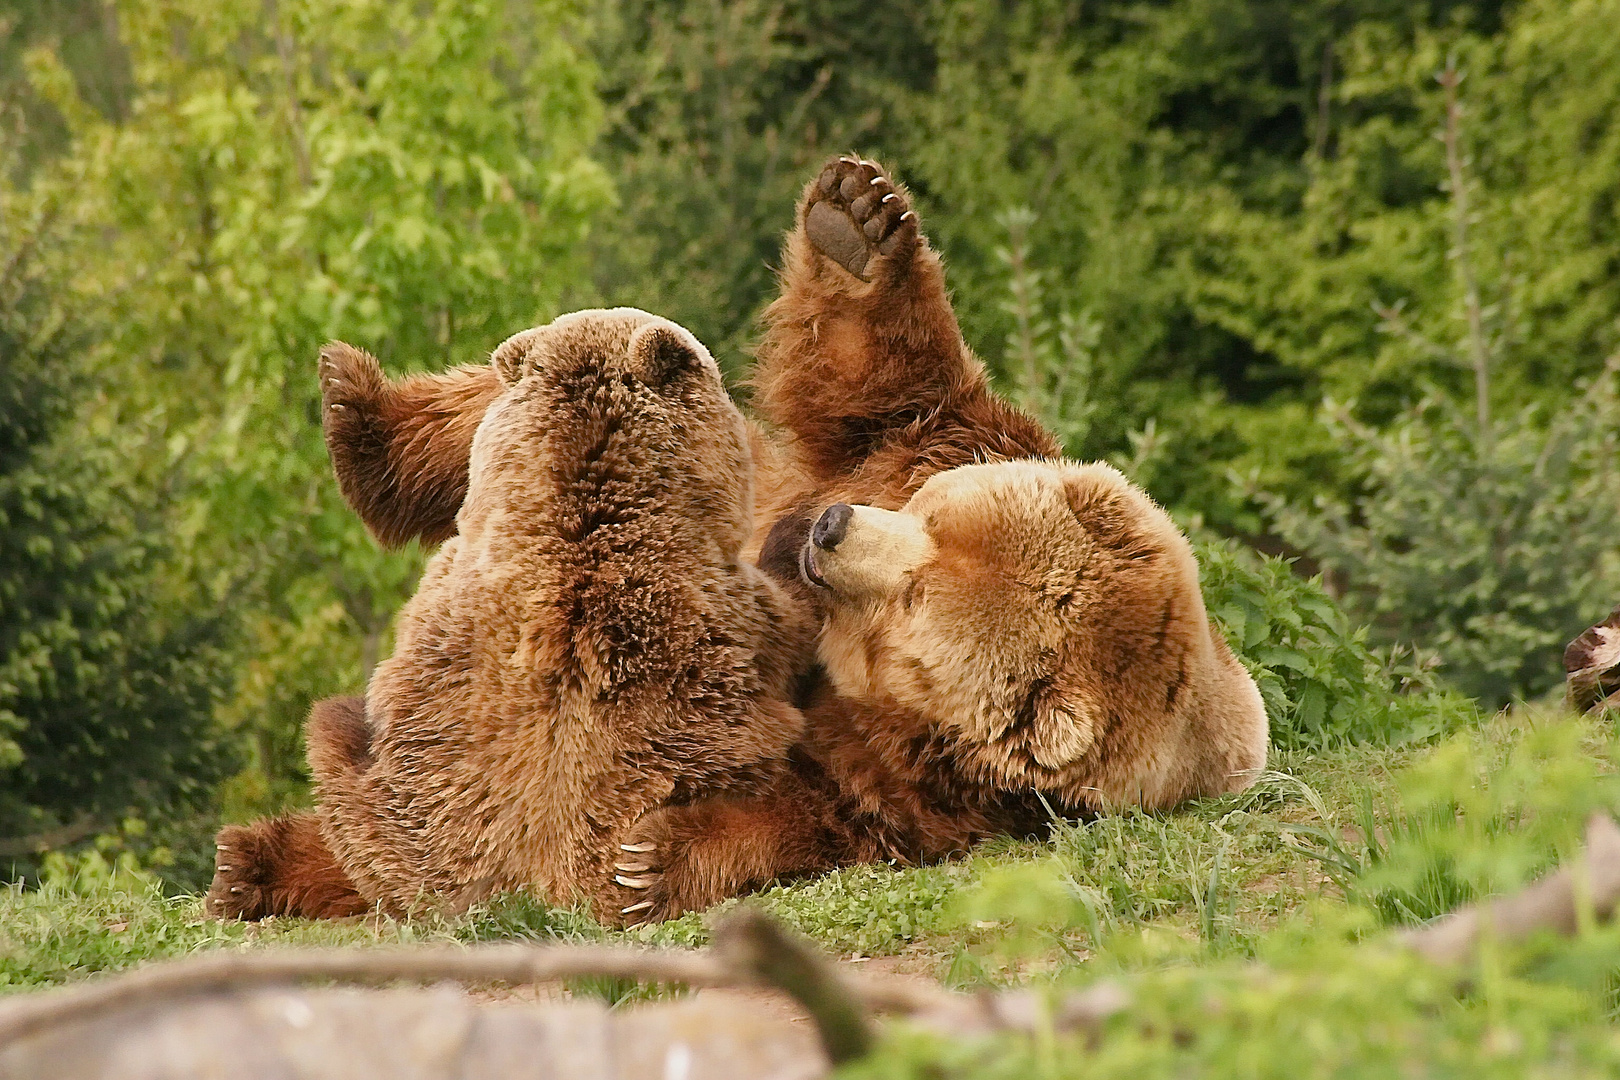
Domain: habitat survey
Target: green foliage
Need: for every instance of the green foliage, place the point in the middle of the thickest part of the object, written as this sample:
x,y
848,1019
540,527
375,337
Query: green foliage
x,y
410,177
1321,684
717,112
1489,541
1049,364
1326,993
109,667
1225,187
86,34
1493,556
1479,816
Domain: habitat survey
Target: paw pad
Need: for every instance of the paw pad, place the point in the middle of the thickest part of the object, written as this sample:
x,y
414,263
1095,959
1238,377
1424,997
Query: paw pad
x,y
856,215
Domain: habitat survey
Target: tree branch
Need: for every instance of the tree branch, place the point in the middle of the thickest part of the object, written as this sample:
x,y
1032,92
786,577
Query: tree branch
x,y
12,846
1554,903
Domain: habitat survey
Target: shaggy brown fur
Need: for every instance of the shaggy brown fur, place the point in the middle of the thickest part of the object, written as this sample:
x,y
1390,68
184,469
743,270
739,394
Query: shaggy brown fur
x,y
1020,639
1048,650
997,640
400,449
587,647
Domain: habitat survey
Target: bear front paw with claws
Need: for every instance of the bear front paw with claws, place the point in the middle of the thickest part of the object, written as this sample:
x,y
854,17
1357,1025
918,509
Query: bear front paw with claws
x,y
859,218
659,871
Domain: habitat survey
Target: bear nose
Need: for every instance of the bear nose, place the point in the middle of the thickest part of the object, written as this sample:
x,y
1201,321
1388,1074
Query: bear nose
x,y
830,528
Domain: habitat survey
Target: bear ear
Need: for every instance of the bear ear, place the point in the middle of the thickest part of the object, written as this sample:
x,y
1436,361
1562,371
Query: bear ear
x,y
661,350
510,357
1101,502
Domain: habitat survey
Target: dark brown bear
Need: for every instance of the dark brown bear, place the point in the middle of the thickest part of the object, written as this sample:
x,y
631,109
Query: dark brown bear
x,y
1003,631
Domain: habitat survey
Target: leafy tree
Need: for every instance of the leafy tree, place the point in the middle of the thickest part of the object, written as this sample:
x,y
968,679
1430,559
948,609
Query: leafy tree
x,y
86,33
1492,550
411,177
717,111
110,669
1225,186
1488,539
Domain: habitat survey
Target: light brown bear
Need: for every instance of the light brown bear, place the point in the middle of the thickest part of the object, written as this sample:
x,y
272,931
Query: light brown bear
x,y
588,646
1003,634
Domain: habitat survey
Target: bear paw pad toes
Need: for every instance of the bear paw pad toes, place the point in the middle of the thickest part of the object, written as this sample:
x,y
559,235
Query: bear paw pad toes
x,y
856,214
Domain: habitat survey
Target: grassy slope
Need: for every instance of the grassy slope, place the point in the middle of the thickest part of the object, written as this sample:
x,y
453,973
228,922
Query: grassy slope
x,y
1224,869
1250,930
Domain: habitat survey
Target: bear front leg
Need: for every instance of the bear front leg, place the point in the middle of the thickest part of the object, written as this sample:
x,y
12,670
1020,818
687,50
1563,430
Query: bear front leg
x,y
400,449
685,858
278,866
863,356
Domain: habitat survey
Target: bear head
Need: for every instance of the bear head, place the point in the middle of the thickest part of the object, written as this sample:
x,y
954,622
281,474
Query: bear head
x,y
1048,612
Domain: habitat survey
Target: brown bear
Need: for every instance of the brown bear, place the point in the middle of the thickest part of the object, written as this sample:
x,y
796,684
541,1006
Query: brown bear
x,y
588,646
1004,635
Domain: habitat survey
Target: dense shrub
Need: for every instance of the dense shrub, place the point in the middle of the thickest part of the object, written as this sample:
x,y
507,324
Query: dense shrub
x,y
109,667
1321,683
1493,556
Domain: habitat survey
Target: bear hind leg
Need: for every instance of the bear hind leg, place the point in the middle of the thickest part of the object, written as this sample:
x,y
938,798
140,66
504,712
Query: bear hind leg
x,y
338,737
279,866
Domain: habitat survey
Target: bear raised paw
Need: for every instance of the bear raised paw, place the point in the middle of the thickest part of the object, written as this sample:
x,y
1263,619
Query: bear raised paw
x,y
855,215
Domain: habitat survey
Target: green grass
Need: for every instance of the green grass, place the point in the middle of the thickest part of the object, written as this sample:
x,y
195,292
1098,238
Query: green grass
x,y
1136,869
1251,930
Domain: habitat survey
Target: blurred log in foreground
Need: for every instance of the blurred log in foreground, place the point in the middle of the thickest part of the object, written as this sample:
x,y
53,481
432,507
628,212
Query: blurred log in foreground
x,y
1554,903
244,1014
432,1034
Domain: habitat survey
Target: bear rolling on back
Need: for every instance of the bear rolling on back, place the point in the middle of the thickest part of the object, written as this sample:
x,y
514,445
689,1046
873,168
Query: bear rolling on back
x,y
1003,634
587,646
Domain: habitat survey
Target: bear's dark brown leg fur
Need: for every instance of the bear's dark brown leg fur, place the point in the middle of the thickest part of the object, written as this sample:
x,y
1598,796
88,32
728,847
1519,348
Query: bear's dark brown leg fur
x,y
283,865
337,737
278,866
400,449
684,858
863,362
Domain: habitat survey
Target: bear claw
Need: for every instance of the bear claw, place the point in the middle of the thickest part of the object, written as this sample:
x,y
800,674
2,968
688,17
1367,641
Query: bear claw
x,y
633,908
639,848
853,221
635,882
236,892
